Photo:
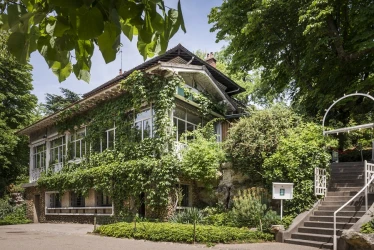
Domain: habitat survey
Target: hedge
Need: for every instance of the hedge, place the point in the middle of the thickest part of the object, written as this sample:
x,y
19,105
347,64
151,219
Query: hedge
x,y
174,232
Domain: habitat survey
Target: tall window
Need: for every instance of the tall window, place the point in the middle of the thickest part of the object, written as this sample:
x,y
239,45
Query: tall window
x,y
184,121
57,150
103,200
143,122
185,195
78,145
107,141
76,200
39,156
218,131
54,200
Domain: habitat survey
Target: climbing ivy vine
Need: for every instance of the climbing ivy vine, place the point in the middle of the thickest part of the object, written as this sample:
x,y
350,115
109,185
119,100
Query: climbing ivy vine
x,y
134,166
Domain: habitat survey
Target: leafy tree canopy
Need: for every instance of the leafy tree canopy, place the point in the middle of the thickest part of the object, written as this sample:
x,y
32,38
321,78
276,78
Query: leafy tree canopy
x,y
16,104
62,29
256,137
54,103
312,51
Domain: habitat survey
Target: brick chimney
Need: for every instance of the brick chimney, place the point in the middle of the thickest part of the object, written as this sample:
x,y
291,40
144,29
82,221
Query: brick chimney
x,y
210,59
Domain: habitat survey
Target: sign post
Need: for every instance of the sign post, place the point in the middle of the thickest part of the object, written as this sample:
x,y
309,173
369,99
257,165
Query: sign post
x,y
282,191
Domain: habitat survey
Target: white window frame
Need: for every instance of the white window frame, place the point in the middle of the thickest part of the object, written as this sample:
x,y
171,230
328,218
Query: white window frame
x,y
74,142
151,118
61,151
184,120
34,147
107,139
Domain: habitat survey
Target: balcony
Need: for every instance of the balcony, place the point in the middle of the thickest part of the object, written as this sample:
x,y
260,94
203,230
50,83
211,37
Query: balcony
x,y
178,148
103,211
35,174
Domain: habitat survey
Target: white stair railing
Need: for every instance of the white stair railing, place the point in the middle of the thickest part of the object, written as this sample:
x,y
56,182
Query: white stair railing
x,y
369,173
320,181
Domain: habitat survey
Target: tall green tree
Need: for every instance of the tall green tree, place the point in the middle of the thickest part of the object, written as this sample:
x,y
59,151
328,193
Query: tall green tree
x,y
54,103
254,138
59,29
311,51
16,105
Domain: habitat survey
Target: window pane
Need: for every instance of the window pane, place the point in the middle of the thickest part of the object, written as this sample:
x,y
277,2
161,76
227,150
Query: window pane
x,y
195,119
180,113
147,128
143,115
110,135
180,91
181,128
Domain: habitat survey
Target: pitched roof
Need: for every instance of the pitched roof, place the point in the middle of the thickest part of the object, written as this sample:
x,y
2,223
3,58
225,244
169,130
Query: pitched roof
x,y
183,53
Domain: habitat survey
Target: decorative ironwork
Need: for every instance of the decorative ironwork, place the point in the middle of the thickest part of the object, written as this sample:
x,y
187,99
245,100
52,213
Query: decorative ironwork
x,y
35,174
320,181
178,148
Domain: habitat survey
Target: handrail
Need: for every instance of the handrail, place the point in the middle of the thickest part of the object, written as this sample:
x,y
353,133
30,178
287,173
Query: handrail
x,y
354,197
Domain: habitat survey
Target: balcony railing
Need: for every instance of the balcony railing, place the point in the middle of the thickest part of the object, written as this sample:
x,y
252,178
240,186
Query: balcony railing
x,y
35,174
178,148
79,211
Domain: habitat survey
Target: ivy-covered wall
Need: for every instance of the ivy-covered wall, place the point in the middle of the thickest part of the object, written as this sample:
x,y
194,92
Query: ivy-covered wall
x,y
133,166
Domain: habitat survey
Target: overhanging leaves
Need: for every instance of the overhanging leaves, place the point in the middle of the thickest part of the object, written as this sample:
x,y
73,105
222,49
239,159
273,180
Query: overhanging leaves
x,y
55,26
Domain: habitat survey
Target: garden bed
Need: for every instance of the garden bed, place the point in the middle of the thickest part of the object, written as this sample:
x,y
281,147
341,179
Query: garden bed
x,y
175,232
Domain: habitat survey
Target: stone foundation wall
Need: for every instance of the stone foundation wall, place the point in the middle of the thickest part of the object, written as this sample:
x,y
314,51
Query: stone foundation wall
x,y
82,219
36,214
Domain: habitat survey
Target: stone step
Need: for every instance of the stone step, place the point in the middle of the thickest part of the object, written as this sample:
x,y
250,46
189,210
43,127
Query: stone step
x,y
312,237
341,193
356,203
337,180
340,213
338,198
347,164
349,176
344,189
321,245
325,224
346,219
346,208
347,184
319,230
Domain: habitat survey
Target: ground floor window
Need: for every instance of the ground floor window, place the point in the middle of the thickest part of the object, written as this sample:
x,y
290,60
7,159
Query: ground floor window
x,y
103,200
54,200
76,200
184,195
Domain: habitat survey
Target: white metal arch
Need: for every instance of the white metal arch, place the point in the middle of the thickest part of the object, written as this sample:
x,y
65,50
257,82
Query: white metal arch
x,y
369,125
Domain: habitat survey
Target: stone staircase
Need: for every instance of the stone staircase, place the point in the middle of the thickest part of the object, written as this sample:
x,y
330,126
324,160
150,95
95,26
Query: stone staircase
x,y
345,181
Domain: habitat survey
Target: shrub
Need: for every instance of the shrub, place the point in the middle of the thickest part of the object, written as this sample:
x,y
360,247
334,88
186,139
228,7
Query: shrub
x,y
294,161
174,232
5,207
287,221
254,138
368,228
250,209
188,216
17,216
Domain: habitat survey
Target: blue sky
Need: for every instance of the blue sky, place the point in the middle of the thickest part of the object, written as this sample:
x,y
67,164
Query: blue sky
x,y
197,37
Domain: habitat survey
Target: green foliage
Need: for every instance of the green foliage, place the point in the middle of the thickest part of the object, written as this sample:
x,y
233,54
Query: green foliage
x,y
287,221
299,152
284,39
174,232
54,103
254,138
11,215
250,209
134,166
188,216
203,156
16,104
56,29
5,207
18,216
367,228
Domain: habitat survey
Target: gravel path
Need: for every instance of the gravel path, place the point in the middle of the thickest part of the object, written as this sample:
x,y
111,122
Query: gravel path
x,y
75,237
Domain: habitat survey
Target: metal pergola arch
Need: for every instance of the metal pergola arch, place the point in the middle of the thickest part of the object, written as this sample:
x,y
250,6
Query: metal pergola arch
x,y
346,129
